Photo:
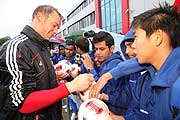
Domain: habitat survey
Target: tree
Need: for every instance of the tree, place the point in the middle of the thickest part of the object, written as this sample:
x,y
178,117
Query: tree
x,y
75,35
72,37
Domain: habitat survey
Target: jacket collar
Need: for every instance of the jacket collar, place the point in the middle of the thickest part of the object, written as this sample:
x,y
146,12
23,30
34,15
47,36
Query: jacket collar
x,y
34,36
168,72
116,55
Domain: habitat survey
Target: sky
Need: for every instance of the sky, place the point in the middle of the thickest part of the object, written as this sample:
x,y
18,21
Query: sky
x,y
15,14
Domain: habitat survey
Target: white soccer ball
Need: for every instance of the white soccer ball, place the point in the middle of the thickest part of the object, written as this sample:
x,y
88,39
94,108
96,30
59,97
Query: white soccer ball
x,y
63,66
93,109
76,70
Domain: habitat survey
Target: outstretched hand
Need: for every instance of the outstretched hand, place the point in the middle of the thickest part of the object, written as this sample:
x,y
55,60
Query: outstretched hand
x,y
95,91
81,83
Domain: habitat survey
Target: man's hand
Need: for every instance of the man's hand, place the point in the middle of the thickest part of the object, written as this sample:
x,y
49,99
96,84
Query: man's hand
x,y
88,63
99,85
60,75
104,97
80,83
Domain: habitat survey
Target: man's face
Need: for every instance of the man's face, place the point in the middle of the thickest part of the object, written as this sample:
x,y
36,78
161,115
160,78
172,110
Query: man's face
x,y
62,50
103,51
56,48
50,25
70,50
145,49
129,50
98,63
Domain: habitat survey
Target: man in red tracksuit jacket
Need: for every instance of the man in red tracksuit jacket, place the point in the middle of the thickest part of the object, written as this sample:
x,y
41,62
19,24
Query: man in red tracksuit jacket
x,y
28,85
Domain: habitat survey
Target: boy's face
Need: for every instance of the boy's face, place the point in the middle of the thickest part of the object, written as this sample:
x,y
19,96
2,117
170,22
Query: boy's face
x,y
56,48
62,50
103,51
69,51
130,50
145,48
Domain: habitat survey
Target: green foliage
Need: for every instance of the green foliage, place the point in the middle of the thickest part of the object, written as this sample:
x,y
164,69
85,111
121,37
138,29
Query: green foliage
x,y
72,37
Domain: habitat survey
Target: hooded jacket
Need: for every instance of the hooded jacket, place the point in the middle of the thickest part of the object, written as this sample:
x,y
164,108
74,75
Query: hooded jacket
x,y
119,91
57,57
157,95
129,37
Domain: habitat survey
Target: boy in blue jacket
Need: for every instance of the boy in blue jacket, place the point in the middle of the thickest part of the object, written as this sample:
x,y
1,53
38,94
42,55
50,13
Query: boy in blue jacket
x,y
128,52
157,44
117,93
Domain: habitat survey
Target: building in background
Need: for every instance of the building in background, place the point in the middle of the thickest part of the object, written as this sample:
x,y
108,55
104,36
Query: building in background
x,y
80,17
111,15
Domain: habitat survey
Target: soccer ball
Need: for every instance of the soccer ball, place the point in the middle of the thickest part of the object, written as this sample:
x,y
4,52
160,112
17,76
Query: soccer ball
x,y
93,109
85,95
63,66
76,70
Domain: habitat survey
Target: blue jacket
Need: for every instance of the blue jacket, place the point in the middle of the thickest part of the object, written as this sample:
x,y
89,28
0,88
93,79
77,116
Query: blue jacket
x,y
129,37
127,67
57,57
119,91
71,59
159,94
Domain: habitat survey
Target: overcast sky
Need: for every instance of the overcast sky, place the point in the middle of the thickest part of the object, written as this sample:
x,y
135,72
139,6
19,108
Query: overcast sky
x,y
15,14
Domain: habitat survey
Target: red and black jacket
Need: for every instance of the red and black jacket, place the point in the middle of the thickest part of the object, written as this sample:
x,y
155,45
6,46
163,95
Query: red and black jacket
x,y
25,71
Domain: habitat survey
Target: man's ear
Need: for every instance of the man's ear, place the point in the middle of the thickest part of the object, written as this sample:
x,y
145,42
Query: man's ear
x,y
112,48
40,16
158,37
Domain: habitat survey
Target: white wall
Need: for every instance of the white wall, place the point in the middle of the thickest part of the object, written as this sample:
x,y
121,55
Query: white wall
x,y
87,10
136,8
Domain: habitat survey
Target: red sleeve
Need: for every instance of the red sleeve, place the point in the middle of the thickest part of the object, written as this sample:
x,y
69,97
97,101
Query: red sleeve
x,y
41,99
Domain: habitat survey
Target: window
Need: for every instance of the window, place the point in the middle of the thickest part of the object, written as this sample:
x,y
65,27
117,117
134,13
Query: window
x,y
92,18
111,18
